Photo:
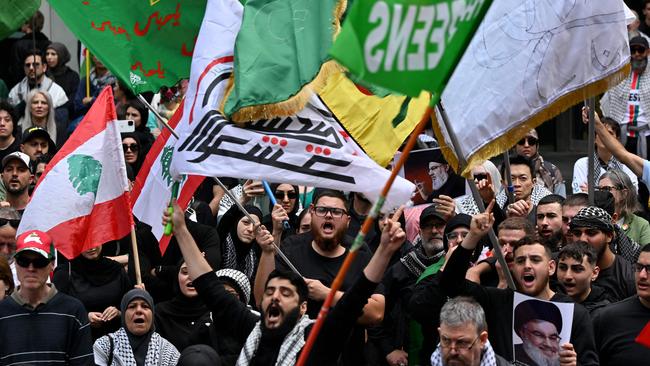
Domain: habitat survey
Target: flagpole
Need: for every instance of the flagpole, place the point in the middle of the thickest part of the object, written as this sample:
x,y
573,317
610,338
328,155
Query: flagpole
x,y
160,118
475,194
365,228
136,256
590,103
508,177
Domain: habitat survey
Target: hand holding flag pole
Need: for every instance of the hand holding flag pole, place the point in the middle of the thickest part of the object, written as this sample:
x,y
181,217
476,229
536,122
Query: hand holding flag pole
x,y
267,188
169,229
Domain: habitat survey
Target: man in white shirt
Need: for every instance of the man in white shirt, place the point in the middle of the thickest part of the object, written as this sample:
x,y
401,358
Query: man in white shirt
x,y
35,78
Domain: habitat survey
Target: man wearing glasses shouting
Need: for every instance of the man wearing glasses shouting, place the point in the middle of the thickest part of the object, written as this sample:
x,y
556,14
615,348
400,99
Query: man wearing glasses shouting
x,y
38,324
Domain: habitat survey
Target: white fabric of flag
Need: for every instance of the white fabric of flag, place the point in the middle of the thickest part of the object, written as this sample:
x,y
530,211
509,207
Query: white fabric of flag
x,y
528,61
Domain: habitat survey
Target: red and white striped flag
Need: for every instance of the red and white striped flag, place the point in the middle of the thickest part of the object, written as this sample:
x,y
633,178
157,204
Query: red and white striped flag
x,y
82,199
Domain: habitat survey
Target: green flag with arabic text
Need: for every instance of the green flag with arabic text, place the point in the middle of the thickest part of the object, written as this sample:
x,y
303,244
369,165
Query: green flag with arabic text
x,y
145,43
407,45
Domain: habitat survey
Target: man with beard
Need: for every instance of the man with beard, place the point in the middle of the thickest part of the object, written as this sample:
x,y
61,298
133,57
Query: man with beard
x,y
16,177
629,102
464,336
277,338
576,272
594,226
36,143
546,172
443,180
318,256
532,268
549,221
538,324
35,68
618,327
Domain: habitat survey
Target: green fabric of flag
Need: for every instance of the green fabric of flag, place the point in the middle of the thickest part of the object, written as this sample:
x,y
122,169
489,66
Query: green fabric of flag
x,y
407,45
14,13
146,43
280,49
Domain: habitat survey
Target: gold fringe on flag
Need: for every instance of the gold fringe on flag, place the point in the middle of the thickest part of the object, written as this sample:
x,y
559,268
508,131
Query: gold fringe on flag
x,y
516,133
297,102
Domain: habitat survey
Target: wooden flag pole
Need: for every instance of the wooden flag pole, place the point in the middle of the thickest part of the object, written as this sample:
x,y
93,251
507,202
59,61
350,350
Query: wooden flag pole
x,y
136,256
87,73
475,194
365,228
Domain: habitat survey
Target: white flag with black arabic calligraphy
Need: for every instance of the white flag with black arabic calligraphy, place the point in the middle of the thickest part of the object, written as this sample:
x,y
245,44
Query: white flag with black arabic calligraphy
x,y
310,148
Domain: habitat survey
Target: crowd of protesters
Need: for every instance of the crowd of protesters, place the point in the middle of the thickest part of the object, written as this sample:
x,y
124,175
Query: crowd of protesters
x,y
427,287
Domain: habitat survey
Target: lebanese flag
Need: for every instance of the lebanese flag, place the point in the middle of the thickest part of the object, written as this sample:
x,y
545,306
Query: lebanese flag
x,y
82,199
152,189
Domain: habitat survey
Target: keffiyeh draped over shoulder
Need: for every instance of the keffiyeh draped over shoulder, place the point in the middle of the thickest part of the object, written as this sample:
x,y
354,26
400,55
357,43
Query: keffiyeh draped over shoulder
x,y
159,353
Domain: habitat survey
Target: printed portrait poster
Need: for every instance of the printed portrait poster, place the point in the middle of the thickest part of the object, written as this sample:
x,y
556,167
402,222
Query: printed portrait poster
x,y
432,176
540,328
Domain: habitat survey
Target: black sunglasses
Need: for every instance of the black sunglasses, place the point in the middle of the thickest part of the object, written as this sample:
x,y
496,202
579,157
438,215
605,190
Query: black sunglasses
x,y
531,141
132,147
280,195
480,177
13,222
634,50
638,267
37,262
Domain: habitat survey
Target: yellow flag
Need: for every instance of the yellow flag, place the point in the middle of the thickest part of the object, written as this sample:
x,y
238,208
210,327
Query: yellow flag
x,y
379,125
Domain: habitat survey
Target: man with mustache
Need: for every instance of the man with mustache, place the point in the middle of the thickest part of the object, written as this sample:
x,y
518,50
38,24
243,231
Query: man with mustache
x,y
538,324
318,256
549,221
618,327
278,334
16,177
443,180
629,102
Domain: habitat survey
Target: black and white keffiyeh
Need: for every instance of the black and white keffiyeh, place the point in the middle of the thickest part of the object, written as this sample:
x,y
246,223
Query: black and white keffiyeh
x,y
291,346
159,353
488,357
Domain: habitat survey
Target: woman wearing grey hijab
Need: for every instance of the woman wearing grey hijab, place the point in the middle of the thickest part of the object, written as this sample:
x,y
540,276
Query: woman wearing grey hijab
x,y
57,56
136,343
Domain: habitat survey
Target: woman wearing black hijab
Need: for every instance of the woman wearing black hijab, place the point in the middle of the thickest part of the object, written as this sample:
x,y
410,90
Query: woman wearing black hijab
x,y
184,315
285,195
239,249
136,342
99,283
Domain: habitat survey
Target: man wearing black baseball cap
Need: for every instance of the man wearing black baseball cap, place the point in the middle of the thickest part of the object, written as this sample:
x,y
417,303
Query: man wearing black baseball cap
x,y
37,142
629,102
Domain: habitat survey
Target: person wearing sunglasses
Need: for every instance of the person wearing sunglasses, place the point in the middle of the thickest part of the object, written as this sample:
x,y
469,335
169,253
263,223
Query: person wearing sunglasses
x,y
628,103
17,177
38,324
132,154
617,326
547,173
464,336
286,209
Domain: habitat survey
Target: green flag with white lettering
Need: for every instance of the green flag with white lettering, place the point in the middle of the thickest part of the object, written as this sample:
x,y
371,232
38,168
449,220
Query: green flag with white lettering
x,y
407,45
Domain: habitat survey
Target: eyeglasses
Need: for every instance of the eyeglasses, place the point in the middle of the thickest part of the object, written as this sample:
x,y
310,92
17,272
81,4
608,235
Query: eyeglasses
x,y
458,235
281,194
459,345
481,176
608,188
637,49
13,222
132,147
321,211
638,267
531,141
35,65
542,337
37,262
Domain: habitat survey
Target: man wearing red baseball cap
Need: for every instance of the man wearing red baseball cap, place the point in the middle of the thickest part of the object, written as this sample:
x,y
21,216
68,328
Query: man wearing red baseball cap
x,y
38,324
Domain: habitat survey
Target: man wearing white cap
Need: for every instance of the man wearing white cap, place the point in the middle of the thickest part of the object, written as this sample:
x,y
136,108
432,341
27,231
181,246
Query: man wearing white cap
x,y
38,324
16,177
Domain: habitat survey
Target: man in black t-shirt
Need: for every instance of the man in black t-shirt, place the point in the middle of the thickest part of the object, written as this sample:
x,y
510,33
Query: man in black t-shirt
x,y
594,226
617,327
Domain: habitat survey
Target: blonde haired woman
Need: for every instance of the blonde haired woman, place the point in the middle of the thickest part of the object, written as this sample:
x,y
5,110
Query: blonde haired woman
x,y
39,112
